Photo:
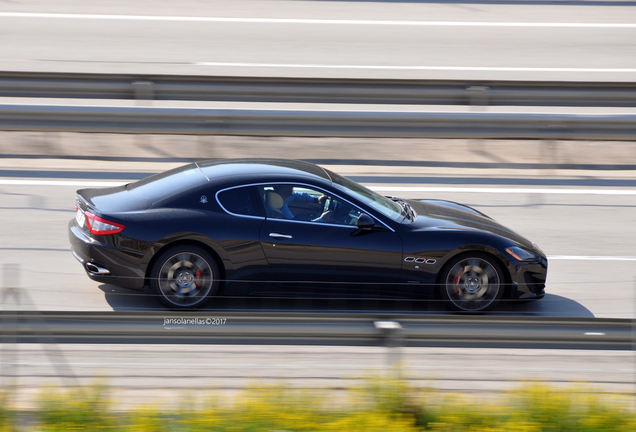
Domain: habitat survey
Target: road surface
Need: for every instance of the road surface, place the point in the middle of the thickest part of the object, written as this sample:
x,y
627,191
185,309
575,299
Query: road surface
x,y
518,41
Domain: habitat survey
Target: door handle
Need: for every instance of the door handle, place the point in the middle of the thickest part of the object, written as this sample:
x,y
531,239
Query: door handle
x,y
278,235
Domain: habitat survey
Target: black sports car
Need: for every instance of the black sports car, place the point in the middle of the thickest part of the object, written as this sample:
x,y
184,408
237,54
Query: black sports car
x,y
289,228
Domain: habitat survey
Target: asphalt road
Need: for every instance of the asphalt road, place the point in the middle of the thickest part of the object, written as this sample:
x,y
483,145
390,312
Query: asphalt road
x,y
575,41
584,224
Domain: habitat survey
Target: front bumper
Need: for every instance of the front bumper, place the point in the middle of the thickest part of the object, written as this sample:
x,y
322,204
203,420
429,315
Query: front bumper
x,y
529,280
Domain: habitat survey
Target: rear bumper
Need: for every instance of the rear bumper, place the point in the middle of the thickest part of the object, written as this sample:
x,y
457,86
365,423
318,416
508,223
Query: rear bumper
x,y
102,262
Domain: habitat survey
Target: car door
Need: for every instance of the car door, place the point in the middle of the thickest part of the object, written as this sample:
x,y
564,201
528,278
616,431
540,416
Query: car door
x,y
238,232
326,254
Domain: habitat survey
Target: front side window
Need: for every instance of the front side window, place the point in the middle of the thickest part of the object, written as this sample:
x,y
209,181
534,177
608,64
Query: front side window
x,y
373,199
296,202
340,212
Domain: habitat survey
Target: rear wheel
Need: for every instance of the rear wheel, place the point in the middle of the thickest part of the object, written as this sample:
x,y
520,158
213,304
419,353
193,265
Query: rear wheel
x,y
184,277
472,283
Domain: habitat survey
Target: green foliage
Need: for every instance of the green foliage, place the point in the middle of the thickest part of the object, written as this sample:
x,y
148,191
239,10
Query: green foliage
x,y
84,408
537,408
379,405
576,408
8,420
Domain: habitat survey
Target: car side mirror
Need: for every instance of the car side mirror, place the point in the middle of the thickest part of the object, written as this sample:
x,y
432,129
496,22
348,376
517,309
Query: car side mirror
x,y
365,222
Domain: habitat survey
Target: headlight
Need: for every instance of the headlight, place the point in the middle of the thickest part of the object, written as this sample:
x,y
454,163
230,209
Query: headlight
x,y
521,254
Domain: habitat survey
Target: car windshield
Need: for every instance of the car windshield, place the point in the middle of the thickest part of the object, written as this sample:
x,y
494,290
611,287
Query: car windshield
x,y
374,200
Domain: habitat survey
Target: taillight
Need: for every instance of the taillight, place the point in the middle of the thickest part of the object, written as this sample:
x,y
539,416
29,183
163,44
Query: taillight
x,y
99,226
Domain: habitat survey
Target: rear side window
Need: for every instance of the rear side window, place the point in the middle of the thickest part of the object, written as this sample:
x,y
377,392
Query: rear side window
x,y
241,201
169,183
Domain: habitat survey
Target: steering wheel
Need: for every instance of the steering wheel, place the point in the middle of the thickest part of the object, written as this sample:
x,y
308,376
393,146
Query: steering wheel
x,y
327,204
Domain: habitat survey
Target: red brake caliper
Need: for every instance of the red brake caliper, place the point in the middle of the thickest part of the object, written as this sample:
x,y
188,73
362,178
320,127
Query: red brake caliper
x,y
457,279
198,275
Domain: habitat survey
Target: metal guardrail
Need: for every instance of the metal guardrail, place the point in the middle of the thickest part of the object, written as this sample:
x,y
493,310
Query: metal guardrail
x,y
368,124
316,328
317,90
471,125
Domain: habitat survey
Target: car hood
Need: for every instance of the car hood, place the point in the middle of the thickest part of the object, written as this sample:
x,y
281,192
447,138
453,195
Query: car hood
x,y
438,214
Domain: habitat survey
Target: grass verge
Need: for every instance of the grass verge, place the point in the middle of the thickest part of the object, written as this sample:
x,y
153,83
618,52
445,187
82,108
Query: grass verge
x,y
379,405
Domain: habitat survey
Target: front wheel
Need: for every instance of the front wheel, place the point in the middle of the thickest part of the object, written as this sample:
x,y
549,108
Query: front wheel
x,y
472,283
184,277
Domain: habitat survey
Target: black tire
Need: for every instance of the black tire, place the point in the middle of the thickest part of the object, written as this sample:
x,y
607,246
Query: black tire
x,y
184,277
472,282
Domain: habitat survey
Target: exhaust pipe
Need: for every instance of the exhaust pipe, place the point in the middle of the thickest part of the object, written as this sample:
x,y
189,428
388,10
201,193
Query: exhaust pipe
x,y
95,269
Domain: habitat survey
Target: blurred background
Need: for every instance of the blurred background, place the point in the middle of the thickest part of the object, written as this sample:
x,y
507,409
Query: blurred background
x,y
525,110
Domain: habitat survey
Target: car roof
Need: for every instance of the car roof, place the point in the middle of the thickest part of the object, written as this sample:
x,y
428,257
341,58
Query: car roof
x,y
226,173
243,170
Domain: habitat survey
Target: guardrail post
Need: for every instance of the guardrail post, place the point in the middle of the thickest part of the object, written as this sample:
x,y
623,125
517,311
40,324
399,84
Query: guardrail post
x,y
549,159
144,91
11,288
392,339
478,95
144,94
9,368
478,101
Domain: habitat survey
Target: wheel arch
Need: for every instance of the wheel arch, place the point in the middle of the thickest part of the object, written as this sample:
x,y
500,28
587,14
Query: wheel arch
x,y
181,242
491,253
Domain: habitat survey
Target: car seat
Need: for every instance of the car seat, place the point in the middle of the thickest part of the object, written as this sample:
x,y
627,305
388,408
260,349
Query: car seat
x,y
274,203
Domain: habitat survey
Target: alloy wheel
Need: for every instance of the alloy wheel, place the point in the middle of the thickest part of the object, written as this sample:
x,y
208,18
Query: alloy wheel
x,y
185,279
472,284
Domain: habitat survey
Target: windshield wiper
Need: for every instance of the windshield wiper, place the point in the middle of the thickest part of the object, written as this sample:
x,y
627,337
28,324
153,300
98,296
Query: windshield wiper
x,y
408,210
